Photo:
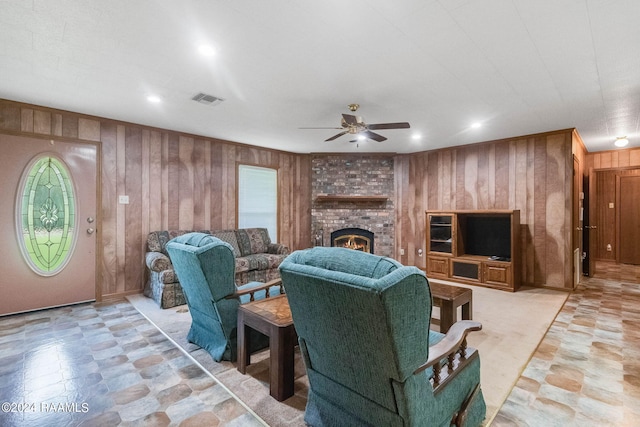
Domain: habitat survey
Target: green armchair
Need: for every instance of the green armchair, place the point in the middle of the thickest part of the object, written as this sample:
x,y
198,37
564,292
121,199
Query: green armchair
x,y
363,327
206,268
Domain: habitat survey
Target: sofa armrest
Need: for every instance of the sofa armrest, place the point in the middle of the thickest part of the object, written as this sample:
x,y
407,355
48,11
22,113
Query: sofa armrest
x,y
157,261
277,248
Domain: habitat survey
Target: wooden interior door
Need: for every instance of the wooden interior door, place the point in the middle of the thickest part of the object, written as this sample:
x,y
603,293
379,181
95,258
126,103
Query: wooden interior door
x,y
592,225
25,286
629,219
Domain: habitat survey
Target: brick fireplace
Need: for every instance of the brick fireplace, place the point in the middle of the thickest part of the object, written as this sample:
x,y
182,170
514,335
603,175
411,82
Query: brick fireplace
x,y
353,192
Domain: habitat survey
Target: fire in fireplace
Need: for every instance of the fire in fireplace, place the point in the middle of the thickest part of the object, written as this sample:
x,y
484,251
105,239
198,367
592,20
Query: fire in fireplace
x,y
353,238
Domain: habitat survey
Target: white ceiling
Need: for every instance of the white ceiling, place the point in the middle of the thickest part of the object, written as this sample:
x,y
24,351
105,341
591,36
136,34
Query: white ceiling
x,y
517,66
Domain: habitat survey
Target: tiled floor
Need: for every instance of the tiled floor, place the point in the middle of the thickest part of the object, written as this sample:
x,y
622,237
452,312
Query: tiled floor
x,y
104,365
586,371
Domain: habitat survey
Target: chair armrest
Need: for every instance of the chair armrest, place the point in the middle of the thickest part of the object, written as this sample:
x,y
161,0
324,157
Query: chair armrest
x,y
450,352
251,291
157,261
277,248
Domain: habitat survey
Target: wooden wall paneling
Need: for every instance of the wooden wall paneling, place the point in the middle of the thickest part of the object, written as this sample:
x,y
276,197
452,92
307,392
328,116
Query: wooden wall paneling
x,y
229,191
173,182
151,166
109,207
69,126
285,199
133,188
200,167
503,179
10,116
634,157
206,188
447,180
121,219
88,129
540,209
155,182
411,197
430,181
164,183
42,122
556,215
145,195
471,193
56,125
530,216
185,183
26,120
482,180
215,186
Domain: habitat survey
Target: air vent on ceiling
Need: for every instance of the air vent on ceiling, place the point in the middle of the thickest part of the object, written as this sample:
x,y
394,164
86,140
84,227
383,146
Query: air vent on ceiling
x,y
205,99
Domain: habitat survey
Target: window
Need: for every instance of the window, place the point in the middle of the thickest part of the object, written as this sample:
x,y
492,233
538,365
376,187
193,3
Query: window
x,y
258,198
45,215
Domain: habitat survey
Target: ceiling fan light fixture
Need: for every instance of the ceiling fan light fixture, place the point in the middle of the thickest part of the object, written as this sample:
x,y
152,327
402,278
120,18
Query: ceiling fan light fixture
x,y
621,141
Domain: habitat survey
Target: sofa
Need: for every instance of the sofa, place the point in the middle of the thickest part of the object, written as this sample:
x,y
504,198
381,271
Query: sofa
x,y
256,260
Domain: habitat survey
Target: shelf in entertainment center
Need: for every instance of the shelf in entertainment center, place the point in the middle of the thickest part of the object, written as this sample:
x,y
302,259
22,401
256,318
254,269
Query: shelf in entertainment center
x,y
350,199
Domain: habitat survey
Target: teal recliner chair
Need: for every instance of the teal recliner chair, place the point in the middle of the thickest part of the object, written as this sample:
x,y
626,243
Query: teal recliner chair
x,y
363,327
205,266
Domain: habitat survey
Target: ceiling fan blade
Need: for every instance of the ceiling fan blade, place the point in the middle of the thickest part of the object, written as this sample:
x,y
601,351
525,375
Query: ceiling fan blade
x,y
349,119
372,135
400,125
323,128
335,136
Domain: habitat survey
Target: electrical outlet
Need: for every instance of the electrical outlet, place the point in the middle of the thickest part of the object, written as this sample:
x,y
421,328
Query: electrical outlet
x,y
402,251
609,247
123,200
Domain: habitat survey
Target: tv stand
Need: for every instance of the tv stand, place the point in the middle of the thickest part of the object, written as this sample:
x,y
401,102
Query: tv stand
x,y
475,247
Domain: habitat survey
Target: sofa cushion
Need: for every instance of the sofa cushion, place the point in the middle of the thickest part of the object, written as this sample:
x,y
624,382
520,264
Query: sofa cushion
x,y
157,240
228,236
253,240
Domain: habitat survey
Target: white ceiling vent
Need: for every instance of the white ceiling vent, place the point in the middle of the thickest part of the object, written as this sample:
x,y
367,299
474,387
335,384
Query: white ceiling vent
x,y
205,99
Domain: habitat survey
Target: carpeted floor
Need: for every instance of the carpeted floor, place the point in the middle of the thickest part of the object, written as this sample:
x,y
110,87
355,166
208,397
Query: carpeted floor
x,y
513,325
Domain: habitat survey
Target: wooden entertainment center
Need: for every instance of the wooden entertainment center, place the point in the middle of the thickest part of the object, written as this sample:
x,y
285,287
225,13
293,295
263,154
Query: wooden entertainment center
x,y
475,247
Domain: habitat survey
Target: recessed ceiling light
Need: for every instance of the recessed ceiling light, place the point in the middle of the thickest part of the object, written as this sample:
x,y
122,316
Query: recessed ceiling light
x,y
206,50
621,141
476,125
155,99
361,137
416,136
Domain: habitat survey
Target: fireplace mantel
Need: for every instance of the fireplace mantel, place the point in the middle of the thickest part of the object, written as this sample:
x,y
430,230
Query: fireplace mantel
x,y
350,198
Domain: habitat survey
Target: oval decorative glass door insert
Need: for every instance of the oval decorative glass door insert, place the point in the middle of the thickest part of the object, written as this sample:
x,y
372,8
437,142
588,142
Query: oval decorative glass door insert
x,y
46,215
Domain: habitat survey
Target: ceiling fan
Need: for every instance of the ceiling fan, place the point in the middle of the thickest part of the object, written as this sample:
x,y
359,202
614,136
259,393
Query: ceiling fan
x,y
355,125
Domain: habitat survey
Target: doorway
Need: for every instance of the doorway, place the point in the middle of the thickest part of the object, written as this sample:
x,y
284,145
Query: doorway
x,y
49,249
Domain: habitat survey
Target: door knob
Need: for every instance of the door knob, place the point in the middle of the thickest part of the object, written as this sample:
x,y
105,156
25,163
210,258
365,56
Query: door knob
x,y
90,220
90,230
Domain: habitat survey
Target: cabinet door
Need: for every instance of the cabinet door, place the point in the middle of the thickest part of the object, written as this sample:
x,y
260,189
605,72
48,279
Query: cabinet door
x,y
466,269
441,233
497,274
438,267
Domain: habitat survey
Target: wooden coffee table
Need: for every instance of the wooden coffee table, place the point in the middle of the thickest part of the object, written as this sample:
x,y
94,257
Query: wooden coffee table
x,y
272,317
449,298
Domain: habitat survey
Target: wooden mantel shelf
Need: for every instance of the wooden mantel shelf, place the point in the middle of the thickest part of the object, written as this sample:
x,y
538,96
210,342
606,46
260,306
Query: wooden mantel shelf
x,y
349,198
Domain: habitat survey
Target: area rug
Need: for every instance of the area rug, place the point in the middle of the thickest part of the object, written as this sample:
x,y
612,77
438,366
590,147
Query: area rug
x,y
513,326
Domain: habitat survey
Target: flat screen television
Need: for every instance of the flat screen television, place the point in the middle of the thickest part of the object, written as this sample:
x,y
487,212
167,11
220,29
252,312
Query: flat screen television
x,y
488,236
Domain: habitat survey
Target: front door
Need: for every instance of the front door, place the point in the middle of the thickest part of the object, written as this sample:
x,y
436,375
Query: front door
x,y
48,214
